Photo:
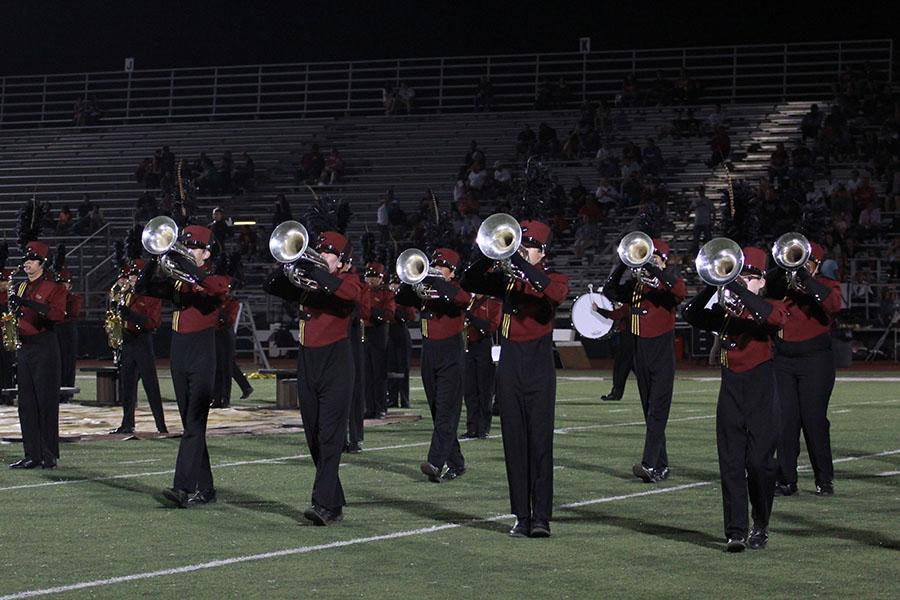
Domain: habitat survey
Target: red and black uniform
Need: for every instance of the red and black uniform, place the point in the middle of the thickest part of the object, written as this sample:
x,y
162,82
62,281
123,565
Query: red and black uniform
x,y
747,411
67,335
652,326
442,321
526,374
804,366
380,312
324,367
623,348
482,321
399,355
193,357
357,335
7,359
141,316
40,304
225,358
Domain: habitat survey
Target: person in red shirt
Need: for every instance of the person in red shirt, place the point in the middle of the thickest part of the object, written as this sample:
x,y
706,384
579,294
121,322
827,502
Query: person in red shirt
x,y
379,312
141,315
482,321
653,297
526,373
67,333
399,351
324,366
747,412
40,304
804,367
442,321
193,360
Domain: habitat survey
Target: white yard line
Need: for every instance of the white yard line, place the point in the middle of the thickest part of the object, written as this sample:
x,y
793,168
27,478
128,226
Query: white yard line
x,y
318,548
889,473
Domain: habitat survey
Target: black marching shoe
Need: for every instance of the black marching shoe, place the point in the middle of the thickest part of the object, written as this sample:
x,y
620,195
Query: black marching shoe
x,y
759,537
522,528
785,489
664,474
201,497
246,393
26,463
49,463
162,430
174,497
826,488
644,473
453,473
469,435
735,544
353,448
321,516
539,529
122,429
613,396
430,471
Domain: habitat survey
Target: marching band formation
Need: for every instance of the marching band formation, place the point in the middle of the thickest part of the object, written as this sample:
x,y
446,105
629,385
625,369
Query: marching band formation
x,y
772,324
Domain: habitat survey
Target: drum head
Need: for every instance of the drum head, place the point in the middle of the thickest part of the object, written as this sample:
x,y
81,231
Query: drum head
x,y
589,323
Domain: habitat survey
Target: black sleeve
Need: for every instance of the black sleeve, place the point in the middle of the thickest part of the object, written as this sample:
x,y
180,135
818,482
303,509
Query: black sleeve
x,y
443,287
614,289
696,313
478,279
757,305
481,324
41,309
148,285
666,276
328,282
407,296
277,284
813,288
535,276
135,317
776,283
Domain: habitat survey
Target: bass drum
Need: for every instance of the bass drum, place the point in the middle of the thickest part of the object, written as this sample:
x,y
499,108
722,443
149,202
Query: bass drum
x,y
586,321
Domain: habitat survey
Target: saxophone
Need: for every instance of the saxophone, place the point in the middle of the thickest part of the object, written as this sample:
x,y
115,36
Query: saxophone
x,y
10,321
113,323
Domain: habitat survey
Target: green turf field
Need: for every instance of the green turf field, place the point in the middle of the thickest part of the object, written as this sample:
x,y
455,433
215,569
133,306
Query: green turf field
x,y
94,521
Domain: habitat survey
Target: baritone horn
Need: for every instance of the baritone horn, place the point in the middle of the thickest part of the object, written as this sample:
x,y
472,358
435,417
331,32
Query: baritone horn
x,y
160,238
791,252
498,238
718,263
413,267
635,250
289,245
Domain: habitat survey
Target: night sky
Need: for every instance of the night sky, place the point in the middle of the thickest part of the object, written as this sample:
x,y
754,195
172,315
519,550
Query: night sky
x,y
53,36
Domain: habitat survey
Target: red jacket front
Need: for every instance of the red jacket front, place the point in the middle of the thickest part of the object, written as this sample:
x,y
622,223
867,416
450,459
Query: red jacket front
x,y
148,307
484,316
43,291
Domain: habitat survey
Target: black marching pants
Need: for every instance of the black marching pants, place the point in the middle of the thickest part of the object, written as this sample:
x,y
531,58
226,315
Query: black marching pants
x,y
376,369
67,337
138,361
654,369
479,389
325,385
224,364
746,437
804,389
526,390
357,410
7,374
623,362
38,375
193,367
399,354
442,378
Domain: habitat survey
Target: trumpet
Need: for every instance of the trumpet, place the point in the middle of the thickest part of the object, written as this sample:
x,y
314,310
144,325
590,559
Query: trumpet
x,y
160,238
498,238
289,245
413,268
10,321
791,252
718,263
636,250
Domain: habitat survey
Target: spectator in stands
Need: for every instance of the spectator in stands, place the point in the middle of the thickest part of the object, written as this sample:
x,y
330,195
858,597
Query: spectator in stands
x,y
544,98
586,236
577,193
703,210
64,221
660,90
48,223
687,125
608,165
282,211
85,207
562,93
207,179
840,199
685,89
382,218
502,178
652,158
226,173
629,167
167,161
475,154
334,168
870,221
221,227
603,121
548,142
405,96
888,306
632,190
779,163
92,111
864,194
484,95
146,208
83,221
860,289
629,94
388,98
311,165
810,123
96,219
245,175
478,176
572,147
247,240
606,194
715,119
720,146
525,142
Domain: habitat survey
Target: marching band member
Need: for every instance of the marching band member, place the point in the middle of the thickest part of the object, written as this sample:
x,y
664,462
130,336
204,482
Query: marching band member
x,y
442,321
379,312
40,304
67,333
193,360
399,351
357,335
225,357
482,320
623,352
141,316
747,412
804,367
652,326
526,374
324,366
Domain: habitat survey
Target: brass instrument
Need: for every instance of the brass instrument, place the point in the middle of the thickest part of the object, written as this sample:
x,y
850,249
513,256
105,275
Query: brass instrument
x,y
498,238
160,237
289,245
791,252
10,320
718,263
113,323
413,267
635,250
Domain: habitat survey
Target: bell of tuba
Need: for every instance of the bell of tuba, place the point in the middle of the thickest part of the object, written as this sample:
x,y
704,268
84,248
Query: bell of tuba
x,y
718,263
160,238
413,267
289,245
635,249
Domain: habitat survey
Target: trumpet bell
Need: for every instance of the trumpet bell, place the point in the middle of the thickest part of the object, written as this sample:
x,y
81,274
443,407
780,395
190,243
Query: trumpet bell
x,y
499,236
635,249
289,241
719,261
791,251
160,235
413,266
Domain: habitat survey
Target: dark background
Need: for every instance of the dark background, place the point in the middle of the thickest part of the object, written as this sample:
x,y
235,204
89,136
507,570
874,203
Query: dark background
x,y
54,36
